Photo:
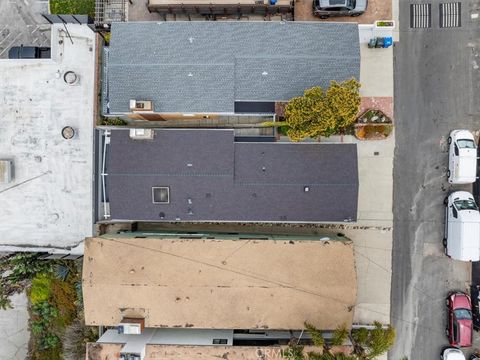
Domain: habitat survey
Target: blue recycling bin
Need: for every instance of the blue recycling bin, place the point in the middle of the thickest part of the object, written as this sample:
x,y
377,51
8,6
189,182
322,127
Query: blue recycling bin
x,y
387,41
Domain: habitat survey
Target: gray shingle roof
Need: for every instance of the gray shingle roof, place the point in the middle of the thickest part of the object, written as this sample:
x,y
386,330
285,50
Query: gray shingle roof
x,y
206,66
230,181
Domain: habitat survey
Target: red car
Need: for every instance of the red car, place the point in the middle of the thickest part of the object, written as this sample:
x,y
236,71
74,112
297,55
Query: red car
x,y
460,324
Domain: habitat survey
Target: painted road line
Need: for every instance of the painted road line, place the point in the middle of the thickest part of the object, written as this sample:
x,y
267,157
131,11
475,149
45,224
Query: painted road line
x,y
420,16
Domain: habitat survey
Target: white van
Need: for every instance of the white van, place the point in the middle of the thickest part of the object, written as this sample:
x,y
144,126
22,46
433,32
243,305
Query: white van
x,y
462,157
462,227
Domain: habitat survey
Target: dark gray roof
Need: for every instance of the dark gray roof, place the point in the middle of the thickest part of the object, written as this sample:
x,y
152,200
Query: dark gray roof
x,y
206,66
230,181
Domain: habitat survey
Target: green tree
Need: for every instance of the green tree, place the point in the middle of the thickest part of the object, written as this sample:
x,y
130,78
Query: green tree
x,y
323,113
315,334
370,344
340,335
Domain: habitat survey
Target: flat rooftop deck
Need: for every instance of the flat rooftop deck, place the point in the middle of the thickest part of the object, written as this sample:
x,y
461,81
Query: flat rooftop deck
x,y
211,177
171,283
49,203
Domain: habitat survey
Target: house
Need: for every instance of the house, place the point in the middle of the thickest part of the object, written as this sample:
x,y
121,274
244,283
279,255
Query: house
x,y
180,70
205,175
176,292
46,145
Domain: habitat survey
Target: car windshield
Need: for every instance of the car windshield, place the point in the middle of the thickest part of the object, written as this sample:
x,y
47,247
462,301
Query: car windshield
x,y
466,144
465,205
463,314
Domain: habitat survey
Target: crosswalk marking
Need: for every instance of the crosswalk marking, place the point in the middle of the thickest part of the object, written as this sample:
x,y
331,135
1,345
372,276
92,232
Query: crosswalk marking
x,y
450,15
420,15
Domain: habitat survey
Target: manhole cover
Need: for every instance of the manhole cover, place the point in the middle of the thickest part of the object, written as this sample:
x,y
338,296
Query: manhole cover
x,y
420,15
450,15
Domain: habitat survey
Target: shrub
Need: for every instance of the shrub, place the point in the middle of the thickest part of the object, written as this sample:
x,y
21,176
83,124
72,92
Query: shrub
x,y
41,288
64,299
73,7
113,122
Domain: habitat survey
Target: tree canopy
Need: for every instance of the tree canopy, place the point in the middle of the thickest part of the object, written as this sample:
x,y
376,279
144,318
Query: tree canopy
x,y
323,113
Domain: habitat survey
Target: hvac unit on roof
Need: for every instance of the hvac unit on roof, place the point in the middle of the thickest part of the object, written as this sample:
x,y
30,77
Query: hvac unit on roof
x,y
131,326
6,171
141,105
141,134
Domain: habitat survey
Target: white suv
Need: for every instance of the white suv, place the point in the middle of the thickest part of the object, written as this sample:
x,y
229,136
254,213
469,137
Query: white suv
x,y
452,353
462,157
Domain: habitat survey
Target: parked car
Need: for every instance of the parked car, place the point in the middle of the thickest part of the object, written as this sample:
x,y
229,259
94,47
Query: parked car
x,y
452,353
327,8
462,227
29,52
459,324
475,299
462,157
474,357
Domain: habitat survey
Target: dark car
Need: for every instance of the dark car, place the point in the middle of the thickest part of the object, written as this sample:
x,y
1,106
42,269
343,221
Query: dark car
x,y
29,52
327,8
459,323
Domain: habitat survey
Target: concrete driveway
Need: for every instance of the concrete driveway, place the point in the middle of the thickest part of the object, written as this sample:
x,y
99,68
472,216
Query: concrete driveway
x,y
21,23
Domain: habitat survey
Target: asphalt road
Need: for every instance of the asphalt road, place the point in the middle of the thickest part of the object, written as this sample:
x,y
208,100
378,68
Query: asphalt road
x,y
436,91
21,23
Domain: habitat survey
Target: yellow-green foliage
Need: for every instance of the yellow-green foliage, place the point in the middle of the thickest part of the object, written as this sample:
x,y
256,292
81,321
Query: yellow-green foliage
x,y
41,288
315,334
323,113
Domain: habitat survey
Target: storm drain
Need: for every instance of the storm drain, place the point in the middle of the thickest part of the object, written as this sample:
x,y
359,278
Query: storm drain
x,y
450,15
420,16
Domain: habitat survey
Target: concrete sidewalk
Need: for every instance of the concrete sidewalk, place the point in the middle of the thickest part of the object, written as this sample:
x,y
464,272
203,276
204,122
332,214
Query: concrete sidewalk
x,y
14,333
372,233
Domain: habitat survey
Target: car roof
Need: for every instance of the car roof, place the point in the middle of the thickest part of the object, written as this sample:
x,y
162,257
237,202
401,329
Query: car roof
x,y
332,3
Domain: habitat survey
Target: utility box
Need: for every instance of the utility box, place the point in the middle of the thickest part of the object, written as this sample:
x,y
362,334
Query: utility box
x,y
6,171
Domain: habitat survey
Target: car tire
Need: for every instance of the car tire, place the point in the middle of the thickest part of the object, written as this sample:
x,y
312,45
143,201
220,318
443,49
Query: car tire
x,y
324,17
449,140
355,15
444,242
445,201
448,174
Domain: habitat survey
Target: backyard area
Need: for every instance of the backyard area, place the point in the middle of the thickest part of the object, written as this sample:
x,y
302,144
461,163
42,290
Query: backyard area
x,y
55,306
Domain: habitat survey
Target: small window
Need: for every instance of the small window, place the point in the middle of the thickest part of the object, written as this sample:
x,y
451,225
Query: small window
x,y
161,195
220,341
454,212
456,150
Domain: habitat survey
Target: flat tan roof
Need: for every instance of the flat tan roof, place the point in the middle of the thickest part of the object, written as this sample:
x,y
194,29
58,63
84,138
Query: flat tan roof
x,y
219,284
101,351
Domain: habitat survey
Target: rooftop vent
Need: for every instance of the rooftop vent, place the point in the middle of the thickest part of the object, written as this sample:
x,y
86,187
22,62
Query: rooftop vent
x,y
6,171
68,132
132,326
161,195
71,78
141,106
141,134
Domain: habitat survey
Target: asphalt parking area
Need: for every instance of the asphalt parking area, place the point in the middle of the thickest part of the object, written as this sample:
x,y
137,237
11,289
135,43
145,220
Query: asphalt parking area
x,y
21,23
